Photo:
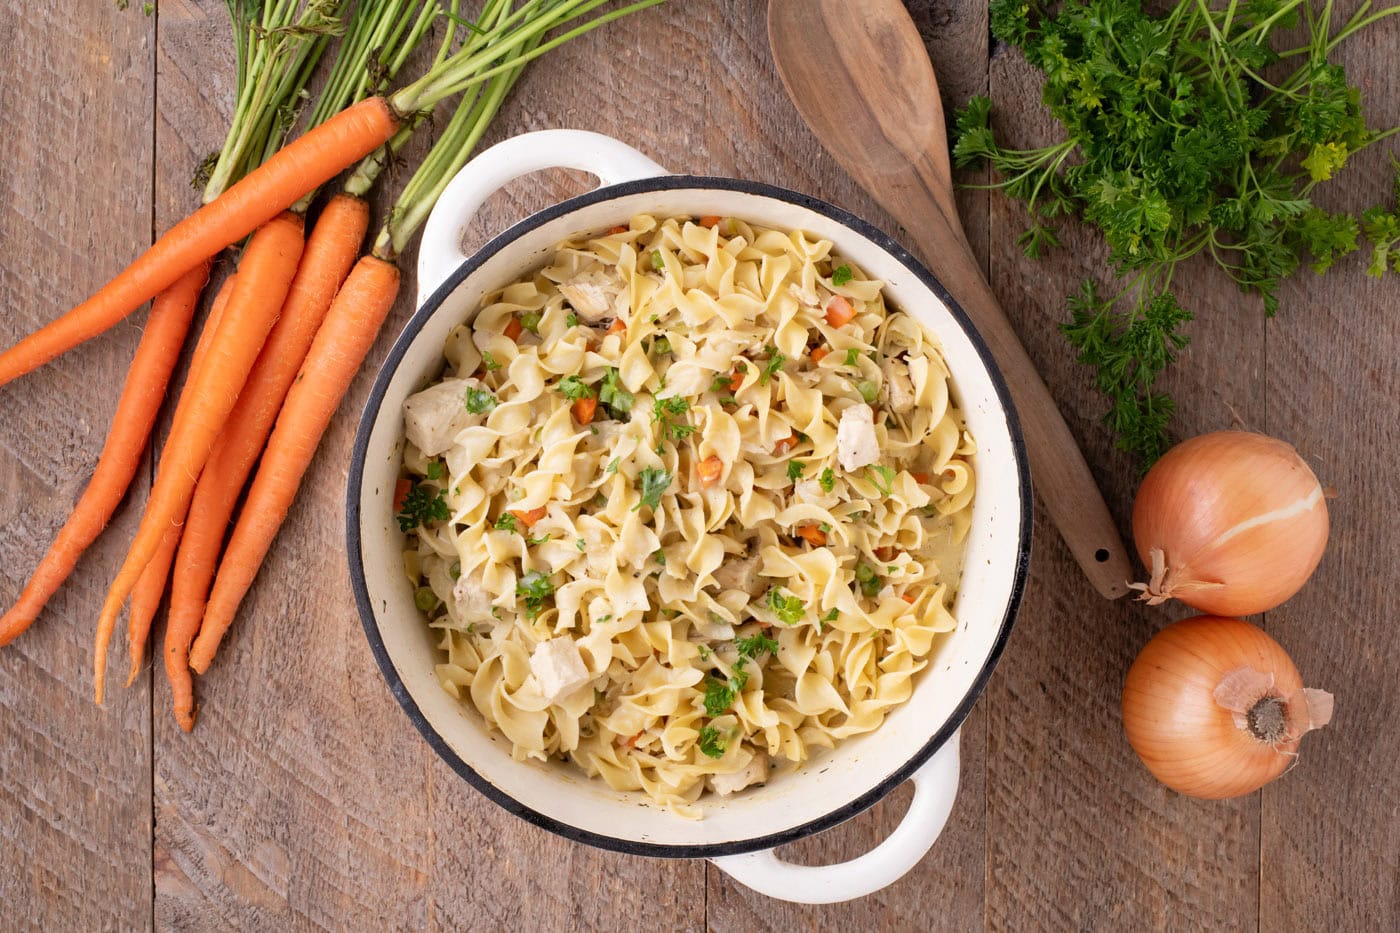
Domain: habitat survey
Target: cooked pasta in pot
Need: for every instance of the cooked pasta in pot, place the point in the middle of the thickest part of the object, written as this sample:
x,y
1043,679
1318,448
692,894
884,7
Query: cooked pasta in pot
x,y
687,505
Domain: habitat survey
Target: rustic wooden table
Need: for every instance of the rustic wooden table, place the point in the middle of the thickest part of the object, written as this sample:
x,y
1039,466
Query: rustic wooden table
x,y
305,799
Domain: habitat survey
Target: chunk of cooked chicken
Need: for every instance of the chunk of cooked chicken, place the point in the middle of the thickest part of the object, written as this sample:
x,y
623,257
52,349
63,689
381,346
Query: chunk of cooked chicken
x,y
592,295
473,599
558,668
856,443
740,573
755,772
898,390
434,417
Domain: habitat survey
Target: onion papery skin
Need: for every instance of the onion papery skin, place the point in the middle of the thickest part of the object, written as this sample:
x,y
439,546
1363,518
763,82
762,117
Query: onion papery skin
x,y
1185,738
1239,517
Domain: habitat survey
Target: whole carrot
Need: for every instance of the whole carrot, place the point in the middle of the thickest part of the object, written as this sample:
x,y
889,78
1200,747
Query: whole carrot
x,y
301,166
121,455
145,598
341,344
264,275
330,252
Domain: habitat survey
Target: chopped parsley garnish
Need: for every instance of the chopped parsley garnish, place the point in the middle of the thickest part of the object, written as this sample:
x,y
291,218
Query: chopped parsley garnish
x,y
506,523
435,469
776,361
488,362
883,478
832,616
667,411
788,609
537,541
841,276
719,694
573,388
480,401
651,483
828,480
825,528
571,319
581,544
536,588
612,467
658,262
795,470
755,645
659,556
531,322
721,382
423,506
614,396
705,652
853,357
712,742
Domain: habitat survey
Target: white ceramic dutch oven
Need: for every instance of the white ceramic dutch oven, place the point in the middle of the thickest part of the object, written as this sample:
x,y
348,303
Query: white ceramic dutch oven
x,y
919,740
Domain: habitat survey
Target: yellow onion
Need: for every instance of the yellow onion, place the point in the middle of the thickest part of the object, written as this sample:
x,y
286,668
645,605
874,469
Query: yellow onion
x,y
1215,708
1231,523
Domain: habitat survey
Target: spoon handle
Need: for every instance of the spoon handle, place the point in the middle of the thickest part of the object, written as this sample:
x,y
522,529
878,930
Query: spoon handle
x,y
1058,469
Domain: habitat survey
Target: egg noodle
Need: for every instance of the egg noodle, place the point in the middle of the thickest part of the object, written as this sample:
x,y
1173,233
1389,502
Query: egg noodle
x,y
675,518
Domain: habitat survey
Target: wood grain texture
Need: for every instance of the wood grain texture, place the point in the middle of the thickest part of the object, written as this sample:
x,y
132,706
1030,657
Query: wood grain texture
x,y
1069,807
1331,828
75,162
304,799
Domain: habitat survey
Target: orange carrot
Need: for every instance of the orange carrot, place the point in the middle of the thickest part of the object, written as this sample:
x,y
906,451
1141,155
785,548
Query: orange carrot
x,y
784,445
514,329
584,409
330,251
301,166
346,336
265,273
121,454
529,516
812,534
709,470
839,311
401,490
908,598
819,354
736,381
145,598
920,478
620,228
710,220
618,326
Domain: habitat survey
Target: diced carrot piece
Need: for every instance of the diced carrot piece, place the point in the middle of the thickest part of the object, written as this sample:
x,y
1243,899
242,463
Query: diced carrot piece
x,y
784,445
820,353
528,518
514,329
618,326
614,231
736,381
709,471
839,311
908,598
920,478
584,409
812,534
885,553
710,220
401,489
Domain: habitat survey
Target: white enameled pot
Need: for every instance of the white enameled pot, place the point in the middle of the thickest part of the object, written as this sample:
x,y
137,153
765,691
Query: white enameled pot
x,y
917,742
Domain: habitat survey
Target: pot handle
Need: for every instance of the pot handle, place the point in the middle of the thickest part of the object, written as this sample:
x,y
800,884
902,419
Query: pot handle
x,y
440,252
935,788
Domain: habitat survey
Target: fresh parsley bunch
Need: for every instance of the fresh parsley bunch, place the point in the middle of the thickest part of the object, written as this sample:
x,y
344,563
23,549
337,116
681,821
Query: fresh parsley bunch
x,y
1186,134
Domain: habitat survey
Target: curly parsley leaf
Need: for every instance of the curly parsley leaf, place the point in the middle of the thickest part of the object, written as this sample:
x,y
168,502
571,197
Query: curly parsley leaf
x,y
423,505
754,645
573,388
480,401
776,362
651,483
535,587
841,275
827,480
506,523
712,742
670,414
788,609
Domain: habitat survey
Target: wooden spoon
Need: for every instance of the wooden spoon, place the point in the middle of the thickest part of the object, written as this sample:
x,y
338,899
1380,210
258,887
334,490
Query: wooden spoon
x,y
864,84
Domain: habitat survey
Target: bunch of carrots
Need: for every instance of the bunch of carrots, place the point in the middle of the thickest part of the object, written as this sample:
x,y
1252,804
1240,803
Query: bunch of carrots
x,y
289,329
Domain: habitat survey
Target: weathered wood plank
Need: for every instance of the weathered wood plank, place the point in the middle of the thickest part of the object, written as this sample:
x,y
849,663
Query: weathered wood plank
x,y
1331,838
1079,836
75,162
